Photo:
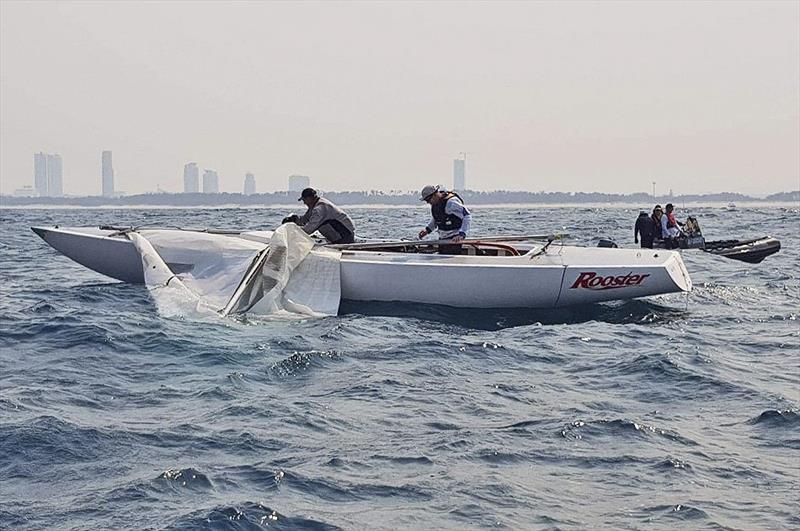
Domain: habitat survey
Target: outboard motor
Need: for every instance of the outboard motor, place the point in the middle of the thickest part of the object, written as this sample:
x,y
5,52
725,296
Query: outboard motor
x,y
692,238
692,227
604,242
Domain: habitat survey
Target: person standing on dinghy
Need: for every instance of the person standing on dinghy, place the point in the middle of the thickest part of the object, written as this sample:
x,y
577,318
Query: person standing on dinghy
x,y
646,228
323,216
449,217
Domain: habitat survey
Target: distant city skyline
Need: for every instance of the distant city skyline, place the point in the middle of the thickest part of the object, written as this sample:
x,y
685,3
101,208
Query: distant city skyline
x,y
566,96
47,181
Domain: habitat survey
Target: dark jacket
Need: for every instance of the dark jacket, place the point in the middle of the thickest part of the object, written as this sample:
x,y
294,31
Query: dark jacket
x,y
646,229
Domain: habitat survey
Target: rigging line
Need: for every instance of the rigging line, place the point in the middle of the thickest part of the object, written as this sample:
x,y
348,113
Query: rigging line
x,y
546,245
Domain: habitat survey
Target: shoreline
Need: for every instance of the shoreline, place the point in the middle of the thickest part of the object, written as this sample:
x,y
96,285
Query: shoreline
x,y
292,207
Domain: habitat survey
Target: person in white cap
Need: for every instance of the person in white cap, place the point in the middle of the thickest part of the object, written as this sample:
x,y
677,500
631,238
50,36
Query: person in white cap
x,y
449,216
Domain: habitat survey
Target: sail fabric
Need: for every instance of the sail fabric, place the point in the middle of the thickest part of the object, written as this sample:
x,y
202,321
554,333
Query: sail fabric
x,y
291,277
200,274
173,298
315,288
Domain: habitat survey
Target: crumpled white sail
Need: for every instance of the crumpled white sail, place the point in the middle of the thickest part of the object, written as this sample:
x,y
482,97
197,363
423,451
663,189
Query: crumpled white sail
x,y
198,274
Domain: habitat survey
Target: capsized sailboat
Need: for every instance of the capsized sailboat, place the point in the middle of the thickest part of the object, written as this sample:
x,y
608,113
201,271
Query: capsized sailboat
x,y
497,273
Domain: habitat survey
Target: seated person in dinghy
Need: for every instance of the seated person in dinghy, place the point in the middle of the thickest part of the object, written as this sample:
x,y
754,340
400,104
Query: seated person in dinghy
x,y
449,217
323,216
670,228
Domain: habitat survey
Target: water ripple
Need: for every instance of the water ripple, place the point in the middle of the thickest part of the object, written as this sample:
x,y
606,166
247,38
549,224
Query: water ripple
x,y
670,411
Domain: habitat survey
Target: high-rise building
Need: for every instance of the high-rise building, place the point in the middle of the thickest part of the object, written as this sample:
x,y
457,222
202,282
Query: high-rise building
x,y
107,170
249,184
47,174
40,173
191,178
298,182
210,182
460,174
55,183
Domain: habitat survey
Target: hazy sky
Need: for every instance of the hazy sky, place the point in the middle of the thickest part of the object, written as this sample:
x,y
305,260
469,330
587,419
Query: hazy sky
x,y
543,96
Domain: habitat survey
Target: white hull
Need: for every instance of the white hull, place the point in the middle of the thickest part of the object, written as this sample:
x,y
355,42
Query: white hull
x,y
561,276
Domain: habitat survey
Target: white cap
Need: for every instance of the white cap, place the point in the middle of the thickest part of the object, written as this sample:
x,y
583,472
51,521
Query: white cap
x,y
428,191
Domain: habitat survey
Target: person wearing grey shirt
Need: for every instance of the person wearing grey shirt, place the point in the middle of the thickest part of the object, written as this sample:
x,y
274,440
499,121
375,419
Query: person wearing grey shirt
x,y
325,217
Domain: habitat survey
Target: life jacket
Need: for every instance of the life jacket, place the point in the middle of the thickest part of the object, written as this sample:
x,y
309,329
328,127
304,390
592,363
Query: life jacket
x,y
656,225
444,221
671,222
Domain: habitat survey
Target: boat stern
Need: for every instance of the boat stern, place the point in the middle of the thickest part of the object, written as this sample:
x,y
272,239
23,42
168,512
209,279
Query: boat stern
x,y
678,272
599,275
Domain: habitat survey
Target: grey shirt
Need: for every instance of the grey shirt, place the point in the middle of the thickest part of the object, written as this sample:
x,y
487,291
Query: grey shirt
x,y
316,218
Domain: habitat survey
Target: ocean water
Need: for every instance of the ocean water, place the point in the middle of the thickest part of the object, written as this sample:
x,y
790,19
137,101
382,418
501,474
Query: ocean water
x,y
663,413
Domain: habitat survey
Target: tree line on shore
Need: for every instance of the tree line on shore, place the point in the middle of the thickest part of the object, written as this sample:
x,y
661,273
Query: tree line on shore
x,y
388,198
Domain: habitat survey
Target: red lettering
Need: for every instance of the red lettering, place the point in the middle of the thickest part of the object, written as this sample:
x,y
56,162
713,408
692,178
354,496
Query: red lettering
x,y
590,280
583,278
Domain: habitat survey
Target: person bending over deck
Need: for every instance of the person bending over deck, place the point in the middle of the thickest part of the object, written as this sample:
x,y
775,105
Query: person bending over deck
x,y
325,217
449,217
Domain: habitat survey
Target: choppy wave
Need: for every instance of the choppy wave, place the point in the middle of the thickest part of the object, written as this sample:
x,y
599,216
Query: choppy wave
x,y
664,412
